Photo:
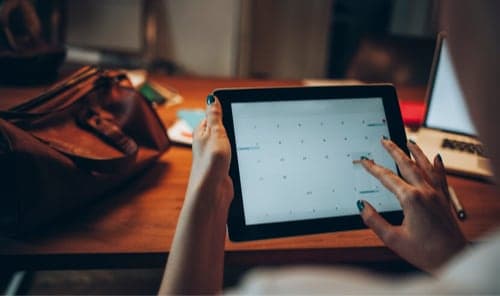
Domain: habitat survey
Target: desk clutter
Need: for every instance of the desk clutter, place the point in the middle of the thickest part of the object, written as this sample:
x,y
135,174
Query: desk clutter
x,y
181,132
84,136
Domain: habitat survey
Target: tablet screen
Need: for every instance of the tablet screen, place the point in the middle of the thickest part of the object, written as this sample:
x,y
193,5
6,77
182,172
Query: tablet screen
x,y
295,158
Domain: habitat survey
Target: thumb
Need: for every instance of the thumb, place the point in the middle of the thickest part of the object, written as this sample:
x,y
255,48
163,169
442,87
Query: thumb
x,y
214,111
200,129
377,223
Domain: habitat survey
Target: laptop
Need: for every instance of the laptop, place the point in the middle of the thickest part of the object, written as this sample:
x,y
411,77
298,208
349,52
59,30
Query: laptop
x,y
447,128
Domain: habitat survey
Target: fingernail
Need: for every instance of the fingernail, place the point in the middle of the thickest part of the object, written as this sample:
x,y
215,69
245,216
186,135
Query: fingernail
x,y
385,138
361,205
364,158
439,158
411,141
210,99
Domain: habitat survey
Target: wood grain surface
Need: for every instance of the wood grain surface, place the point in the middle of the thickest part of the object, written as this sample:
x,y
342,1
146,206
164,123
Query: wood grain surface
x,y
140,217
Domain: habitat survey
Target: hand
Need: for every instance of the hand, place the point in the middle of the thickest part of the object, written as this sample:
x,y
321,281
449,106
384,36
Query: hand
x,y
212,156
196,261
429,234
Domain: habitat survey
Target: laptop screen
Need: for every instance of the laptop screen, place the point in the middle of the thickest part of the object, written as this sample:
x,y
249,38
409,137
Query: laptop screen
x,y
447,109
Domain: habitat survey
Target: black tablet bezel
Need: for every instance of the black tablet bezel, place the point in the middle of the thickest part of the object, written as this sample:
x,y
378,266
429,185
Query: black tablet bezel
x,y
237,229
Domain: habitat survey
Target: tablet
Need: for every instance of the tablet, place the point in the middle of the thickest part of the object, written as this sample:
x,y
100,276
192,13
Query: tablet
x,y
292,157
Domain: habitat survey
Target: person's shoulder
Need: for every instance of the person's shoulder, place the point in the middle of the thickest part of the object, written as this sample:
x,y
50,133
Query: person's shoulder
x,y
312,280
477,266
472,271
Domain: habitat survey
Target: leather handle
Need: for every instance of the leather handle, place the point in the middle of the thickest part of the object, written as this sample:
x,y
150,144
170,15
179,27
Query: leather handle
x,y
74,96
77,79
78,86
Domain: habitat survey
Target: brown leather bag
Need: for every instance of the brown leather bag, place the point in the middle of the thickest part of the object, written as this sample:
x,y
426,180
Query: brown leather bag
x,y
77,141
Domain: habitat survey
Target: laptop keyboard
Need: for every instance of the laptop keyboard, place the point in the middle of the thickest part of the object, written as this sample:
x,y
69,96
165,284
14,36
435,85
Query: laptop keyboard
x,y
463,146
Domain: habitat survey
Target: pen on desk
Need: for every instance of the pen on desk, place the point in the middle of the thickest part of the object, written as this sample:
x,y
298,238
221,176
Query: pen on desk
x,y
456,204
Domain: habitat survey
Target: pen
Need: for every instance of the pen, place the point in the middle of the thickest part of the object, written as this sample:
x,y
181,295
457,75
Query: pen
x,y
456,204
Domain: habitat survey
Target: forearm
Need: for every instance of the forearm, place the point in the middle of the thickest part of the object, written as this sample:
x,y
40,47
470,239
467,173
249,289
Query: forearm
x,y
196,260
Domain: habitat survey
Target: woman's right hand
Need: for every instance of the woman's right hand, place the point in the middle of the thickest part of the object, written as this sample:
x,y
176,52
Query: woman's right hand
x,y
429,234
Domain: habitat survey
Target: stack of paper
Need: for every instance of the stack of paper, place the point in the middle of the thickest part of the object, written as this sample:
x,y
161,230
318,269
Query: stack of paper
x,y
182,130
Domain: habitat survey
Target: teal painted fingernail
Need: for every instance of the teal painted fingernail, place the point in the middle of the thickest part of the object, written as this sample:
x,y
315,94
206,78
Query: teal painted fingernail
x,y
411,141
210,99
439,158
385,138
364,158
361,205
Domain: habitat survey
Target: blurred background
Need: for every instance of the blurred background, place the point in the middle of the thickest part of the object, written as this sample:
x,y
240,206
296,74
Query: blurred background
x,y
372,41
377,40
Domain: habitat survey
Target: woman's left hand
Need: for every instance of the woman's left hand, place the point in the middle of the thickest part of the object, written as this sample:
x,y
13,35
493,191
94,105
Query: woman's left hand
x,y
212,156
196,261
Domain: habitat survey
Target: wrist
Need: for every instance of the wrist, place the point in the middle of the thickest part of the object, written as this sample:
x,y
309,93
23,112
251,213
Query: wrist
x,y
208,198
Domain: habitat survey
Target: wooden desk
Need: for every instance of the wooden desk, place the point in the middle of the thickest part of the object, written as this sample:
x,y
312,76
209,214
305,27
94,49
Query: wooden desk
x,y
134,227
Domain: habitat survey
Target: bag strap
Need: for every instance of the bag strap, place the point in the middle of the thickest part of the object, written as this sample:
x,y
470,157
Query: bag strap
x,y
73,81
75,94
112,134
72,97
